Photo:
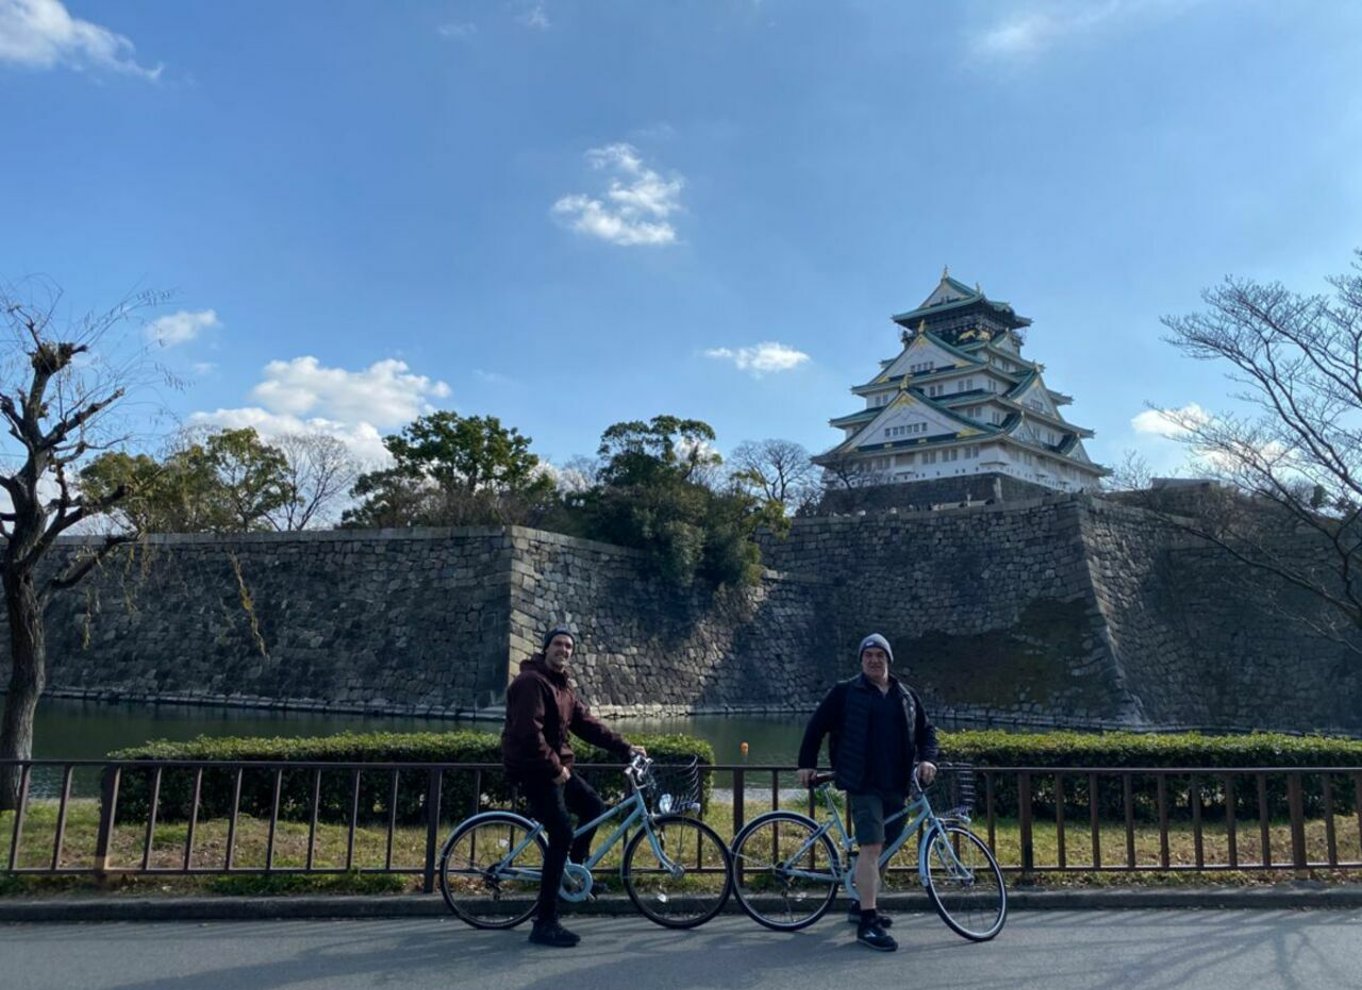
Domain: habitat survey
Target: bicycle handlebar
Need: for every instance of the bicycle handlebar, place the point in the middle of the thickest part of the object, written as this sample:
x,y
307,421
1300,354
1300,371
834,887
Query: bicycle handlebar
x,y
827,776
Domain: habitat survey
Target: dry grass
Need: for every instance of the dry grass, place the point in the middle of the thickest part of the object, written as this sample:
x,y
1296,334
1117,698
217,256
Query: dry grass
x,y
334,849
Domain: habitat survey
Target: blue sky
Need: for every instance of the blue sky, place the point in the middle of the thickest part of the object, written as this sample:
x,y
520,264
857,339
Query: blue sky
x,y
567,214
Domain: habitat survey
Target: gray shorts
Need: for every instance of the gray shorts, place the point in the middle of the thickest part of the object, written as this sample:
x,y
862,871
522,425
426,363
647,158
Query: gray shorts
x,y
868,812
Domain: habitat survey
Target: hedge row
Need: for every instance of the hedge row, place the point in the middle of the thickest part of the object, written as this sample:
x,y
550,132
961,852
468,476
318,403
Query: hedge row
x,y
1131,749
375,791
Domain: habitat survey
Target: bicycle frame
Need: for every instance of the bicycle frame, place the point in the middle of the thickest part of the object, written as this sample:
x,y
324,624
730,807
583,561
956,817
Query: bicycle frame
x,y
920,810
635,812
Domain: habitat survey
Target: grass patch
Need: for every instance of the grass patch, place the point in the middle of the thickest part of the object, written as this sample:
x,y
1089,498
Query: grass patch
x,y
353,858
270,885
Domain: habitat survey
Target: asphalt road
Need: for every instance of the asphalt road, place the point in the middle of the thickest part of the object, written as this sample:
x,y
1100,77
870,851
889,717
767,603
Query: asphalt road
x,y
1054,950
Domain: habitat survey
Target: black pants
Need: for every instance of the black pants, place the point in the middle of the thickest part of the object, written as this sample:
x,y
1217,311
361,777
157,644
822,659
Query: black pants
x,y
550,805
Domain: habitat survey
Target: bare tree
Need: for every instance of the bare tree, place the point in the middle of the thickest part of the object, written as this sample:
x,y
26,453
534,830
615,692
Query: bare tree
x,y
320,471
1132,474
777,470
1292,463
57,385
847,471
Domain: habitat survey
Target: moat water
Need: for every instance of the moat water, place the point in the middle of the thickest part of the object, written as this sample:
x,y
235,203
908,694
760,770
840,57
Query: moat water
x,y
90,730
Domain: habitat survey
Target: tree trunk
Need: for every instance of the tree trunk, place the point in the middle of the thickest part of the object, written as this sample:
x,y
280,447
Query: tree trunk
x,y
28,658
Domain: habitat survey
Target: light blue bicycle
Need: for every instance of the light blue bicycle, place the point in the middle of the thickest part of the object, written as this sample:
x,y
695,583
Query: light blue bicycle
x,y
787,868
675,868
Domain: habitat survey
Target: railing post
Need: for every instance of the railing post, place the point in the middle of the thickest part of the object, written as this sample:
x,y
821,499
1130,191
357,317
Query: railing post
x,y
739,817
1297,808
432,827
1028,851
108,801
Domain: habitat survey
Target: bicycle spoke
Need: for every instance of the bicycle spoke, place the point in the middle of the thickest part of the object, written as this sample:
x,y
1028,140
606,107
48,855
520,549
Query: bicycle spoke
x,y
965,884
785,872
688,883
482,882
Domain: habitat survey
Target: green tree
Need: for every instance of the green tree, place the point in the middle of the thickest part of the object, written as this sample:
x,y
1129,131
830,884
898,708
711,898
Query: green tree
x,y
249,478
656,493
228,481
453,470
636,452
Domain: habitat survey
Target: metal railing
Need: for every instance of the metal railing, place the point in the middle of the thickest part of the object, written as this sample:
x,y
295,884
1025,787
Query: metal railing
x,y
180,817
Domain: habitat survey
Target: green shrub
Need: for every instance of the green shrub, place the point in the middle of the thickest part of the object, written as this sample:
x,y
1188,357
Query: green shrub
x,y
334,789
1142,750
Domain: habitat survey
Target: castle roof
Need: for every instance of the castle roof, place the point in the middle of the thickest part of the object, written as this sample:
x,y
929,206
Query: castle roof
x,y
952,296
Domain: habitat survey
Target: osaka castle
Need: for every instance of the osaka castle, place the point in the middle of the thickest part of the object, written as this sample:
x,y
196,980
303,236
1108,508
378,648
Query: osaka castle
x,y
960,400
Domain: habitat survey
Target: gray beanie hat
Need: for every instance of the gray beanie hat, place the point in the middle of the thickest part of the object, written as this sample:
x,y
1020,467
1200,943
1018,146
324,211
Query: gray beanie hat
x,y
875,639
557,631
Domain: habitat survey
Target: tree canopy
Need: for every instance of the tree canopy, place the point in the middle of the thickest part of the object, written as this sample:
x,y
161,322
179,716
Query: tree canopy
x,y
224,481
453,470
656,492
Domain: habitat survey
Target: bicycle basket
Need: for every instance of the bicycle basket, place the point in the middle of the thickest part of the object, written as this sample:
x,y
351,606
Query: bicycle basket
x,y
954,789
674,790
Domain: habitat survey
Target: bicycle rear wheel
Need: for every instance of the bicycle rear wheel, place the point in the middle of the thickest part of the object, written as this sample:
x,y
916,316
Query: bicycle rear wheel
x,y
483,884
964,883
785,872
688,883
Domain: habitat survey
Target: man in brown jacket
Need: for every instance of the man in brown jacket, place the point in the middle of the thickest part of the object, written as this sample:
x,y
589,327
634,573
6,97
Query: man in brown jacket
x,y
541,709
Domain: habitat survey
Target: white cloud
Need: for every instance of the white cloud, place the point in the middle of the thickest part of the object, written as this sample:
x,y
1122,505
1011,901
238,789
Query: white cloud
x,y
364,440
1028,30
181,327
457,30
42,34
1169,423
491,377
302,396
762,359
635,205
536,17
385,393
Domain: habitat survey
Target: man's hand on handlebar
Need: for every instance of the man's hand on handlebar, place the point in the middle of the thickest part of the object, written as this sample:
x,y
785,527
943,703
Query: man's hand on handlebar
x,y
563,776
805,775
926,773
637,751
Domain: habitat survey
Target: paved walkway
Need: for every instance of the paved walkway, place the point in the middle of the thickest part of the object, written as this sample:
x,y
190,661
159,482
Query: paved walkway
x,y
119,907
1047,950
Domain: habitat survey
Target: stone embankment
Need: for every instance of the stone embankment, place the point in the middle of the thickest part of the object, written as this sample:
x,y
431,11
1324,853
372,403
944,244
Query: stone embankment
x,y
1063,610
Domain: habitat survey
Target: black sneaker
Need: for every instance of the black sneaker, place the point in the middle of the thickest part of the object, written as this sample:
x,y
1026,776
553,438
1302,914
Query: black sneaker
x,y
854,917
553,934
872,936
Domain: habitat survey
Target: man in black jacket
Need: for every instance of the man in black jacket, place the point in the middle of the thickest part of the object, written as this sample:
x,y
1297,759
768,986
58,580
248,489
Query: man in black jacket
x,y
877,729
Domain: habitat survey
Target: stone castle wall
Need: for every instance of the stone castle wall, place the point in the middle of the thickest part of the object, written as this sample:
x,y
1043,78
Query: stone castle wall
x,y
1062,610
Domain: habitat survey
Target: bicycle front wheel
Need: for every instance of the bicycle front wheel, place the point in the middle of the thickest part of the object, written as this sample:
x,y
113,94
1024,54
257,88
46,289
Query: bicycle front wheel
x,y
682,882
964,882
490,869
785,871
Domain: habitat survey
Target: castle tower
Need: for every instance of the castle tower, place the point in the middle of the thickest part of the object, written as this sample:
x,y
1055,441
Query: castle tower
x,y
960,400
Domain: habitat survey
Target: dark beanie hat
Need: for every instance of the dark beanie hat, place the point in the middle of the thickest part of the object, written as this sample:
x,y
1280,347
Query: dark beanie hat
x,y
875,639
557,631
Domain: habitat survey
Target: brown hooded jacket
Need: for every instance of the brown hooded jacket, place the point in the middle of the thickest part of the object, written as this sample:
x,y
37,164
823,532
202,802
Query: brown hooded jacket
x,y
541,709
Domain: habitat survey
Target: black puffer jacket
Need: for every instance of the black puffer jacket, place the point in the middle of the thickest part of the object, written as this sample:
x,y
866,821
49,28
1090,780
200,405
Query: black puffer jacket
x,y
843,716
